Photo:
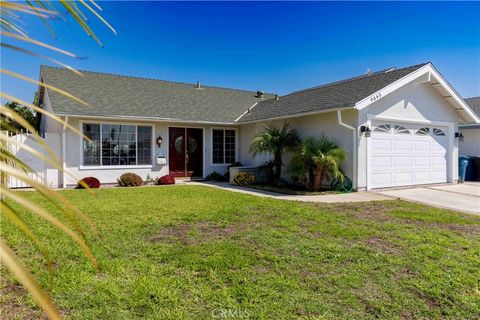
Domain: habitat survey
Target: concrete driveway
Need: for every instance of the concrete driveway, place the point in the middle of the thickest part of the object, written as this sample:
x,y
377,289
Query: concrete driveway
x,y
460,197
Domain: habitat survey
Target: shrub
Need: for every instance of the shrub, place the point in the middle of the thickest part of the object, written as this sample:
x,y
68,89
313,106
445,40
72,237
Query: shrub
x,y
166,179
91,182
244,178
129,180
215,176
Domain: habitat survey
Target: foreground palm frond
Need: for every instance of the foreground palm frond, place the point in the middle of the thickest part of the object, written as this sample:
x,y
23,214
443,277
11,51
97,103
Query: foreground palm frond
x,y
12,27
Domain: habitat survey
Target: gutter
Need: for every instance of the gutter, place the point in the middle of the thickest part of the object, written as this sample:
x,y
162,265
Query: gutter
x,y
354,141
294,115
145,119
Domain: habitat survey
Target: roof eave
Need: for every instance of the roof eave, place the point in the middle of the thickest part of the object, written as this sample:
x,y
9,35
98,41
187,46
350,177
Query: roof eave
x,y
143,119
295,115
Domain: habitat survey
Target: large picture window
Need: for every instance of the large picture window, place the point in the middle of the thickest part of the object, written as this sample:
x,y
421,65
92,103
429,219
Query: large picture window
x,y
116,145
223,145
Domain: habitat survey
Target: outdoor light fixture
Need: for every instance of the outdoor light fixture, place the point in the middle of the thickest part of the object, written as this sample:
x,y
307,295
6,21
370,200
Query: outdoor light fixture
x,y
159,141
364,129
459,135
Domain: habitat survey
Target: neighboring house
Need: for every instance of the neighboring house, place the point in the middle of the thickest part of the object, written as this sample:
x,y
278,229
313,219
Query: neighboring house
x,y
398,125
470,146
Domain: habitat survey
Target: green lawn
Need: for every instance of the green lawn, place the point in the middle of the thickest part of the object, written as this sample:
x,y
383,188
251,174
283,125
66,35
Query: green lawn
x,y
196,252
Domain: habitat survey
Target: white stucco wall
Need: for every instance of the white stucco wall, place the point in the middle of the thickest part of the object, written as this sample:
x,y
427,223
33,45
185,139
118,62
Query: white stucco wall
x,y
107,174
414,102
312,125
470,146
47,124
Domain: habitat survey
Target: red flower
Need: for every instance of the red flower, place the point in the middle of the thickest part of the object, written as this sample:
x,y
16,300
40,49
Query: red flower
x,y
91,182
167,179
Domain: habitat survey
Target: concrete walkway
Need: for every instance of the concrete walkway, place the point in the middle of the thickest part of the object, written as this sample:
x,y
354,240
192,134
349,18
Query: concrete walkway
x,y
327,198
460,197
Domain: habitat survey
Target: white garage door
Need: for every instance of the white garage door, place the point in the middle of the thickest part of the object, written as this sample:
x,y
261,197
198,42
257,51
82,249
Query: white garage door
x,y
403,154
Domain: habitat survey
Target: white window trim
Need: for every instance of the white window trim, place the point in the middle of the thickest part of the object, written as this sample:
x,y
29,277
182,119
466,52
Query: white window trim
x,y
236,147
136,124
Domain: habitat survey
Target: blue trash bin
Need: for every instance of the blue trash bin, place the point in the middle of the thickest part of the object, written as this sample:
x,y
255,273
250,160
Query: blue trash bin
x,y
470,173
462,168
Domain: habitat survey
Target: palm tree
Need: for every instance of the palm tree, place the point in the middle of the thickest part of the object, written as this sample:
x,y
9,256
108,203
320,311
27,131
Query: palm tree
x,y
316,158
275,140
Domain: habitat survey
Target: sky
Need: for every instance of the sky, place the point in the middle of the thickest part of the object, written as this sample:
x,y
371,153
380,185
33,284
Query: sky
x,y
277,47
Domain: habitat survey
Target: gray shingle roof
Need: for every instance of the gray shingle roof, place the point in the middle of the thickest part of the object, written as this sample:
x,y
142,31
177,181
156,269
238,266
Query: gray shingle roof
x,y
123,96
114,95
474,104
341,94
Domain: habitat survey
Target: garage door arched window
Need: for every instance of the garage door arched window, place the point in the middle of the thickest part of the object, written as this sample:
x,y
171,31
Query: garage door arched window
x,y
438,132
382,128
422,131
401,130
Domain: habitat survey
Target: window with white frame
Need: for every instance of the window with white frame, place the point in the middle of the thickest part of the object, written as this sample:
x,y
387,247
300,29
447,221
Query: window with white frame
x,y
223,146
116,145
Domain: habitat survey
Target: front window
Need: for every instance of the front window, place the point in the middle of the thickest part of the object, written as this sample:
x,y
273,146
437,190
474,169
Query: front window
x,y
117,145
223,146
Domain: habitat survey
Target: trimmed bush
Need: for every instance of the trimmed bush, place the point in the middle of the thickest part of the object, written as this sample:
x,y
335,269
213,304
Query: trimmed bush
x,y
91,182
215,176
130,180
244,178
166,179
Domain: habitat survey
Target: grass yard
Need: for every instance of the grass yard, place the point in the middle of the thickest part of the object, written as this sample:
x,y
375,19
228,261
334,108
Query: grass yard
x,y
192,252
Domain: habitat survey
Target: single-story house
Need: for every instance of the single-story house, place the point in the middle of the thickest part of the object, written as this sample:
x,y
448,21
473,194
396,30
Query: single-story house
x,y
399,126
470,144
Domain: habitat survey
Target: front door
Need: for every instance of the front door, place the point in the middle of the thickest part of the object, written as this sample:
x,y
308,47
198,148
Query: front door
x,y
186,152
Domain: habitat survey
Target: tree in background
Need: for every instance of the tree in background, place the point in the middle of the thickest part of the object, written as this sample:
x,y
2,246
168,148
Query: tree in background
x,y
26,113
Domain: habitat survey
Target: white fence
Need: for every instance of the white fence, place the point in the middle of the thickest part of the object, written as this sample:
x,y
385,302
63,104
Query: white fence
x,y
37,165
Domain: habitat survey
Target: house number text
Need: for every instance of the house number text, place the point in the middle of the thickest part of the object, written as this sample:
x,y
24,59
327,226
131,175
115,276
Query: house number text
x,y
376,97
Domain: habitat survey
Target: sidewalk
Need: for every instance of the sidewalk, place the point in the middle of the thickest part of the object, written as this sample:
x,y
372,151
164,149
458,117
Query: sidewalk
x,y
328,198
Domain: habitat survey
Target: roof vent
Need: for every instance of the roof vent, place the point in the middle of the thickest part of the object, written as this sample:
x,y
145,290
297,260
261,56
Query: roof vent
x,y
259,94
198,86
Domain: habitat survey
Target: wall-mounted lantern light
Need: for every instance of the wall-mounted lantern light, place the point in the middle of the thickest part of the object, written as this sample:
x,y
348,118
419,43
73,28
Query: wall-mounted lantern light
x,y
159,141
364,129
459,135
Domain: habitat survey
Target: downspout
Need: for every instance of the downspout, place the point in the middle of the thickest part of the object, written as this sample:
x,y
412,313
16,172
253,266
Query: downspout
x,y
354,140
64,150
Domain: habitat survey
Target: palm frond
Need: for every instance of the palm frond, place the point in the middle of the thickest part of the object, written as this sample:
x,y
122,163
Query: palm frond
x,y
37,43
11,25
41,56
45,215
13,264
45,85
11,215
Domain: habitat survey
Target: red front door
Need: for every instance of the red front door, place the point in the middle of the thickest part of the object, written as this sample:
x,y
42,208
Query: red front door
x,y
185,159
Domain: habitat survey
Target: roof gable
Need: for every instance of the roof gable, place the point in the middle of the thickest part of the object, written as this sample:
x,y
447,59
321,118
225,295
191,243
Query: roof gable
x,y
429,74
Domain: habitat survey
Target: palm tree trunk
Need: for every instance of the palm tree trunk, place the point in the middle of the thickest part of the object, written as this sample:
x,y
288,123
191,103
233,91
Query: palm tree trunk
x,y
318,176
311,179
277,160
